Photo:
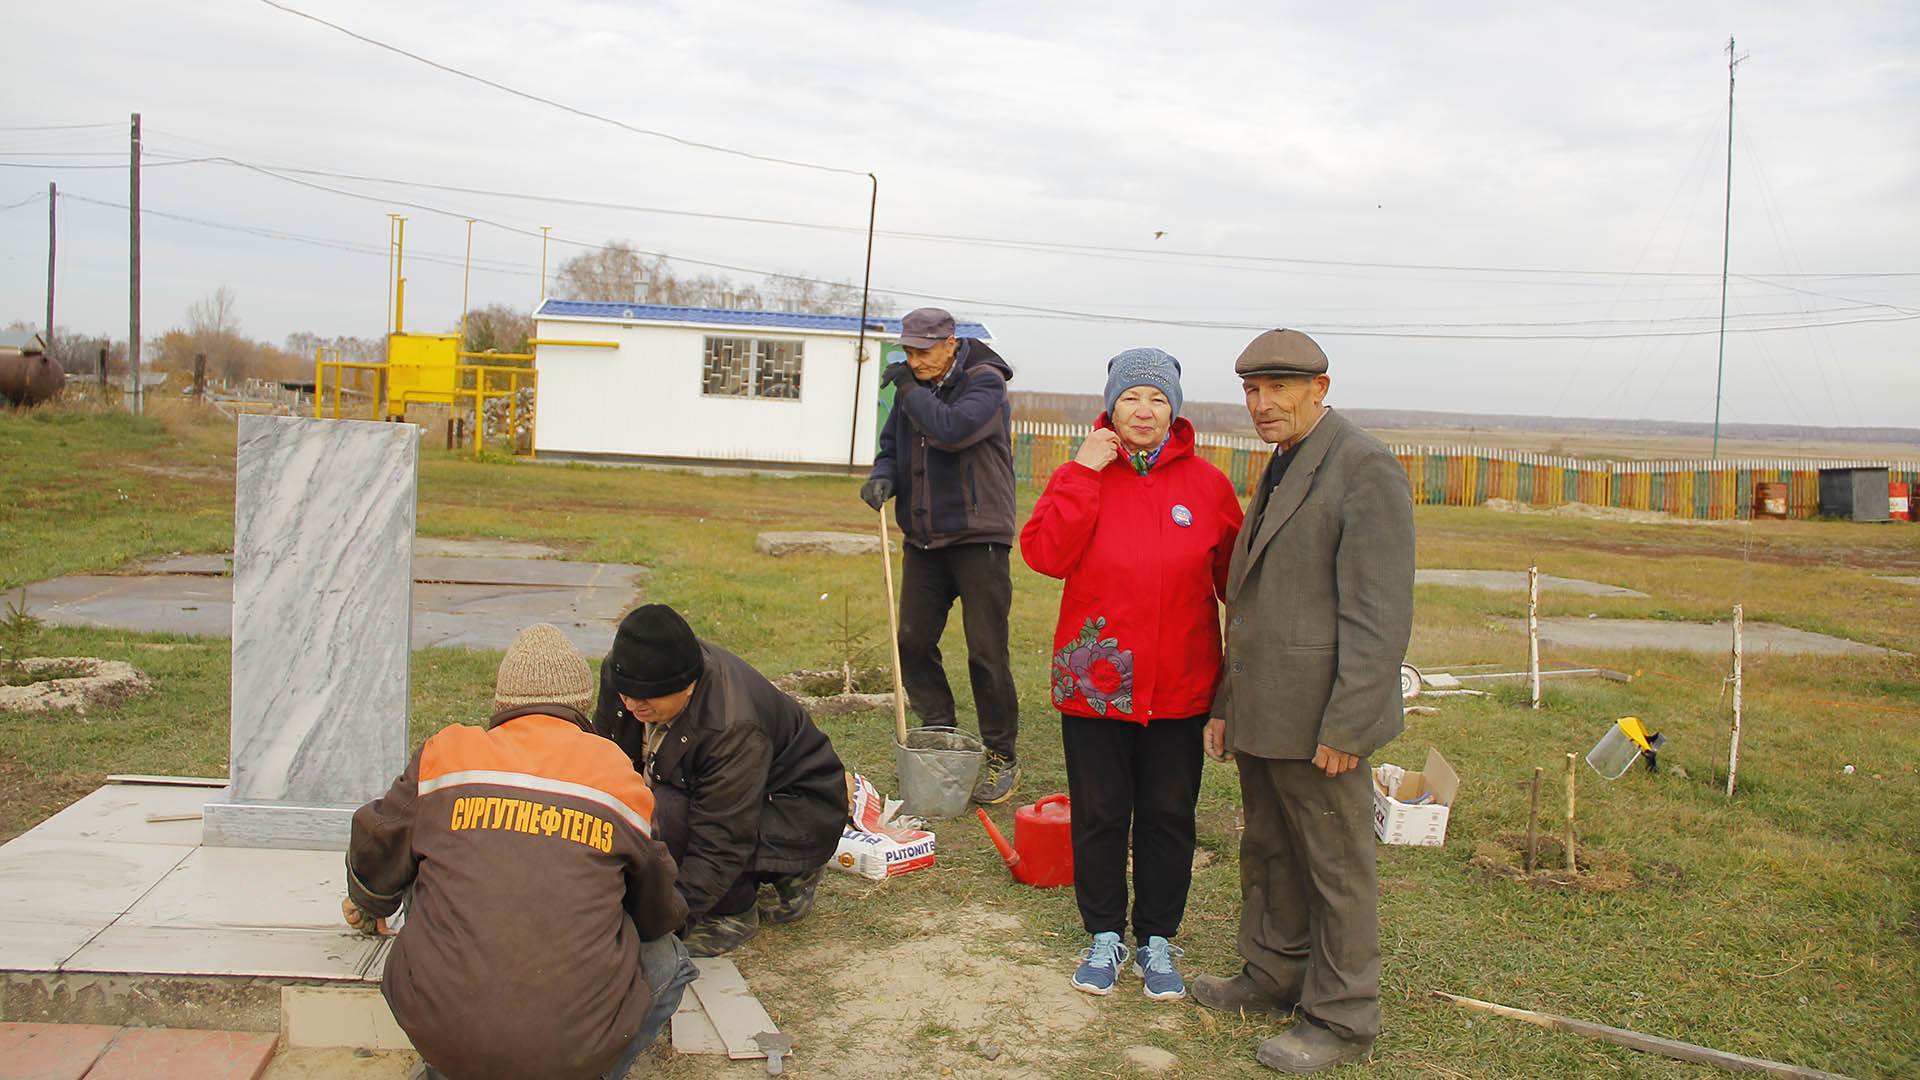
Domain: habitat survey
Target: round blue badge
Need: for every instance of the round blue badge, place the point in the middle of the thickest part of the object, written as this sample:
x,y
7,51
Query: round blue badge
x,y
1182,516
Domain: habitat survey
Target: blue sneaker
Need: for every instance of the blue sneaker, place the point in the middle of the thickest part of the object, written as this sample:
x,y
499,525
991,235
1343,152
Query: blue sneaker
x,y
1154,965
1101,964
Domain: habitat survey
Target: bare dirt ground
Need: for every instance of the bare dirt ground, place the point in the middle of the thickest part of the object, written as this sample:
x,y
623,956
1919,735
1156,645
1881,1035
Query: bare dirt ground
x,y
970,992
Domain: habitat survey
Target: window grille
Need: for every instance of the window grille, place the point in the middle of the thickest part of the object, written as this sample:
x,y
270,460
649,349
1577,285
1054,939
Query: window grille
x,y
748,367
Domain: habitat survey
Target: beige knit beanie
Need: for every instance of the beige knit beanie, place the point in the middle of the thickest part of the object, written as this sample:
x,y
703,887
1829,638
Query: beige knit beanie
x,y
543,668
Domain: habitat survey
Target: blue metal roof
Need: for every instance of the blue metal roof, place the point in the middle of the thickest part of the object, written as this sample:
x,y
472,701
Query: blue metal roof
x,y
779,320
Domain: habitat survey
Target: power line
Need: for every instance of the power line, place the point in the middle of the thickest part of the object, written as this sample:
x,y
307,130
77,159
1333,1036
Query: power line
x,y
1010,309
561,105
33,198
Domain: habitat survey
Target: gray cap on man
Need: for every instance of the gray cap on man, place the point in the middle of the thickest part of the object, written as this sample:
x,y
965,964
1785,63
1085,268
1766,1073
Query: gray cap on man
x,y
1281,352
923,328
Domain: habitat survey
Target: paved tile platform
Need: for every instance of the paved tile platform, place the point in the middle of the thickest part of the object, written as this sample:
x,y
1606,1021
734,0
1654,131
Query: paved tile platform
x,y
113,897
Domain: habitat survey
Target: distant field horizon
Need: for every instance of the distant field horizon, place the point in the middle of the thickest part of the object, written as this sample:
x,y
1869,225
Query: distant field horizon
x,y
1584,437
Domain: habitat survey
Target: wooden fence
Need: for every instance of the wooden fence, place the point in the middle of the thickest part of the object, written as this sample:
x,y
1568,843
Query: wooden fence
x,y
1469,476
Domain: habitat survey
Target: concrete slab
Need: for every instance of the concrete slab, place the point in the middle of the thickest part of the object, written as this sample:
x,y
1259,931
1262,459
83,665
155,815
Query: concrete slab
x,y
172,1054
1914,581
269,952
121,813
1516,581
51,1051
1572,632
781,544
474,602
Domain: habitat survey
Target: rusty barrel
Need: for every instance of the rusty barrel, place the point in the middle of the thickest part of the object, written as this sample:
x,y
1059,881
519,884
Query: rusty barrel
x,y
1770,499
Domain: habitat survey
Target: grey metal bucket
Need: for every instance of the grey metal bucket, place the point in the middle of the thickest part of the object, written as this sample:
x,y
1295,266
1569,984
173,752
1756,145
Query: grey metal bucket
x,y
938,767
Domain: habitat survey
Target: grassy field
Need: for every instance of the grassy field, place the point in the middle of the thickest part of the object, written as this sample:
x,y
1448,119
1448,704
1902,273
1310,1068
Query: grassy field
x,y
1782,923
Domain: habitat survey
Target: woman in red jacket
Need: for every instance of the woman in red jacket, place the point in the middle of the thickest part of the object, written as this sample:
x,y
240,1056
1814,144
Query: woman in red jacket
x,y
1141,530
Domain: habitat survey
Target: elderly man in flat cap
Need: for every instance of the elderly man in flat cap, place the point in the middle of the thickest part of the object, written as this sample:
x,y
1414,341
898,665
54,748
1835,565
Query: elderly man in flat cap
x,y
1319,610
946,458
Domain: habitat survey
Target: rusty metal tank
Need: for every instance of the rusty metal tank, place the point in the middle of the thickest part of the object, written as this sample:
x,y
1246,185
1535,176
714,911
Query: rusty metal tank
x,y
30,378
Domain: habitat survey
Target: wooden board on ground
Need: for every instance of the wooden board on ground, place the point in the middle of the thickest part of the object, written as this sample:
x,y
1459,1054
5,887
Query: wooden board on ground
x,y
736,1014
692,1032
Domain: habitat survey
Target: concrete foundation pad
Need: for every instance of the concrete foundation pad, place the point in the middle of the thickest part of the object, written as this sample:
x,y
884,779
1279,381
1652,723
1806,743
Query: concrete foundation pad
x,y
1516,581
1570,632
1914,581
473,603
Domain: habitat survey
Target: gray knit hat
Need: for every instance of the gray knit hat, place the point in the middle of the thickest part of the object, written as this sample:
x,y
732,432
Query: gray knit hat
x,y
1143,367
543,668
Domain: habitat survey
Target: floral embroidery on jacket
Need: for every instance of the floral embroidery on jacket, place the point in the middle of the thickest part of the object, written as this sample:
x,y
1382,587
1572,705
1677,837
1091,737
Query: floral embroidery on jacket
x,y
1096,668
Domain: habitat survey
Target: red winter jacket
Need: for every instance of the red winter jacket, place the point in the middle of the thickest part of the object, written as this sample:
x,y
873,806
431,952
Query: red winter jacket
x,y
1144,557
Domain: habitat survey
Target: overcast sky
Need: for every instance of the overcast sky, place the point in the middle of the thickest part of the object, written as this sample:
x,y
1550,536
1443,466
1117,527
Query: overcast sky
x,y
1505,208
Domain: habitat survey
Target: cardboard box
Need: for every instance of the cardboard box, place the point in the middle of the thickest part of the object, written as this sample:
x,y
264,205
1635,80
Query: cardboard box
x,y
883,855
1412,807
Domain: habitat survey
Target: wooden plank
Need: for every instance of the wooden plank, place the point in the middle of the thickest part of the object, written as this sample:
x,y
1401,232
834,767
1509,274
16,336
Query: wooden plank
x,y
177,781
736,1014
1652,1044
693,1033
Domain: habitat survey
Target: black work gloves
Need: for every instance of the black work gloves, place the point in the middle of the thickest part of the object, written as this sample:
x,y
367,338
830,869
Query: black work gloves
x,y
876,492
897,373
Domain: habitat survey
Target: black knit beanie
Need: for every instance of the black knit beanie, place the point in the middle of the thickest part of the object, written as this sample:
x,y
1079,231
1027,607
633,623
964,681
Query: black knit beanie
x,y
654,654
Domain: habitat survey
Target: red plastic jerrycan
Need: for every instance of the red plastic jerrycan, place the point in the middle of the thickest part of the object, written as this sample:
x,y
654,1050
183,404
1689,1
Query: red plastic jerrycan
x,y
1043,835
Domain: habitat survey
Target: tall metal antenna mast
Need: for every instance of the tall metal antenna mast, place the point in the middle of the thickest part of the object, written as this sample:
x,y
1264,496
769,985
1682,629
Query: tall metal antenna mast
x,y
1726,239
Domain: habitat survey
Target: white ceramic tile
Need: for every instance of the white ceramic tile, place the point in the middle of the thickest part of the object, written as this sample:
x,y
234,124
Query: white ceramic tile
x,y
247,889
28,944
297,954
322,595
118,813
55,877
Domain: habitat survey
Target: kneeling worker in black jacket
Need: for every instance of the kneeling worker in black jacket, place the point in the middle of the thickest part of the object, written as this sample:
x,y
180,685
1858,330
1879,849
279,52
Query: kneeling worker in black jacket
x,y
747,791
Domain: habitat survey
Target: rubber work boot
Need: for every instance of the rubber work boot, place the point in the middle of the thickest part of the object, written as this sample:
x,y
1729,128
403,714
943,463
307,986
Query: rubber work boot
x,y
1307,1047
793,897
1238,993
714,935
998,775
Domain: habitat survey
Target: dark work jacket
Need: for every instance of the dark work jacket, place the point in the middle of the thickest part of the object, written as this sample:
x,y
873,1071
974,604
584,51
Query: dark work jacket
x,y
535,877
949,451
765,790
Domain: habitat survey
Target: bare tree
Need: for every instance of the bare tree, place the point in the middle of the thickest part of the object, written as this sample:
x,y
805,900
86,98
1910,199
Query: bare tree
x,y
498,328
214,326
618,273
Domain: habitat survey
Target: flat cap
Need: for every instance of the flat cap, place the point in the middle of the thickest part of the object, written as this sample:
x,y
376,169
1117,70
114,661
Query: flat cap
x,y
1281,352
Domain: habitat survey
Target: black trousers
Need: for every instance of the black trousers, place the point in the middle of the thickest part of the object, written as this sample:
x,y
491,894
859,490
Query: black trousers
x,y
930,581
1145,776
1309,894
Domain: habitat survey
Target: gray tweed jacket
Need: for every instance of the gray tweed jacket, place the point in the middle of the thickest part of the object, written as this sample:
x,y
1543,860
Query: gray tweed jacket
x,y
1320,602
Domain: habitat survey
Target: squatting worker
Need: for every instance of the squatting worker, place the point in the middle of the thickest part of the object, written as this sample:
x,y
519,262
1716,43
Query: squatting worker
x,y
538,942
1319,610
947,454
1142,531
747,791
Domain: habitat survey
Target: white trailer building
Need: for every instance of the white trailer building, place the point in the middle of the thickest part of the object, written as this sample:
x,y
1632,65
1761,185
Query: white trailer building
x,y
659,383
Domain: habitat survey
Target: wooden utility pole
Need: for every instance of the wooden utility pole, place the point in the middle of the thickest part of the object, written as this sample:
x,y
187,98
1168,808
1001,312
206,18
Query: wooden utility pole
x,y
133,270
53,195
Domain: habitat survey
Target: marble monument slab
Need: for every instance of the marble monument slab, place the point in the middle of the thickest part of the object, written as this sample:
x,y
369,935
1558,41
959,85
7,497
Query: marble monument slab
x,y
323,530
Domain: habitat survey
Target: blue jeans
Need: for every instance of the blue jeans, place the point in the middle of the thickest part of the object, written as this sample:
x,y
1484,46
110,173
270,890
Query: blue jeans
x,y
668,969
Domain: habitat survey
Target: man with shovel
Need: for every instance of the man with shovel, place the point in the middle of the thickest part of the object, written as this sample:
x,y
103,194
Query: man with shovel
x,y
946,453
1319,611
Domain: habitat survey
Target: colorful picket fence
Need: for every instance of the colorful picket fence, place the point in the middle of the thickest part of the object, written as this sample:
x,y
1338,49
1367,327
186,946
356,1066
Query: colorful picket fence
x,y
1469,476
